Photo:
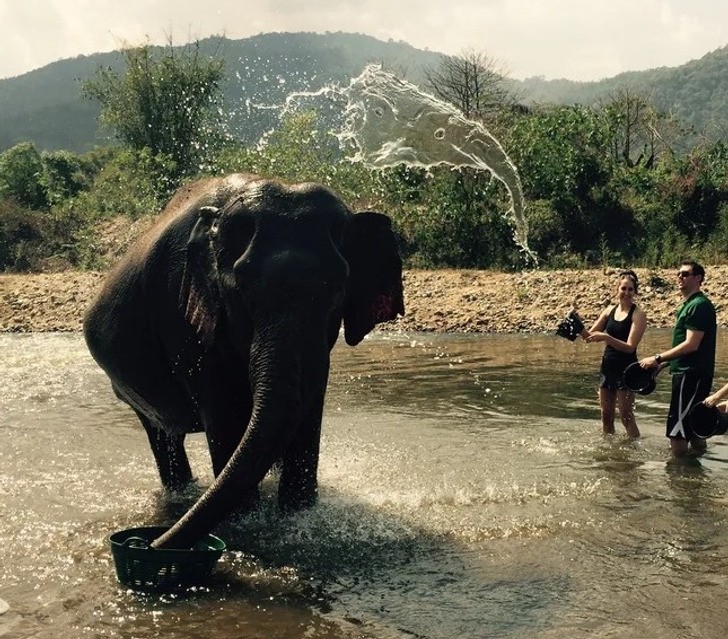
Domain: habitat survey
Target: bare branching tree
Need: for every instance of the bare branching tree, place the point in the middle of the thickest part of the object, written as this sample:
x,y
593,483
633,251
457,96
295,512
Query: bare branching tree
x,y
640,134
472,81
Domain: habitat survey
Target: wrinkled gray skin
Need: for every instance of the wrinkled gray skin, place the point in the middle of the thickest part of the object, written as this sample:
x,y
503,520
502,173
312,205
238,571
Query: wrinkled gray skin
x,y
222,318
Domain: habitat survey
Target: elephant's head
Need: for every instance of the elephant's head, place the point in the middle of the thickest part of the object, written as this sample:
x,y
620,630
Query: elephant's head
x,y
270,274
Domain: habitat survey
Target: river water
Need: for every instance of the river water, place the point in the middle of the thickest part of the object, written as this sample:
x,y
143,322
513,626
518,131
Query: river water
x,y
466,491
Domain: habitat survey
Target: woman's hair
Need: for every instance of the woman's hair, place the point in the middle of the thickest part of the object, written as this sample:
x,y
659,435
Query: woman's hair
x,y
630,275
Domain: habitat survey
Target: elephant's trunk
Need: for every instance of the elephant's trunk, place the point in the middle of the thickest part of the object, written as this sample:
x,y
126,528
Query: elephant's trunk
x,y
275,365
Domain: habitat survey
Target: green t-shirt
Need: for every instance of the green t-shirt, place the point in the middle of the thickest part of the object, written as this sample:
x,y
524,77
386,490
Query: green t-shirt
x,y
697,313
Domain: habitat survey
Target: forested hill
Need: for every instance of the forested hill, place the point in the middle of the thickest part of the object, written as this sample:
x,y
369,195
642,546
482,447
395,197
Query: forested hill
x,y
696,92
46,106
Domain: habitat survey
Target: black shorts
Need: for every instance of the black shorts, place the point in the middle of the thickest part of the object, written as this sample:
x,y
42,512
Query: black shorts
x,y
611,374
687,390
611,381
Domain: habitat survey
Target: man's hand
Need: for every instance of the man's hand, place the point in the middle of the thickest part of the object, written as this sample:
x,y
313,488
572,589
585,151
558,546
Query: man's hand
x,y
649,362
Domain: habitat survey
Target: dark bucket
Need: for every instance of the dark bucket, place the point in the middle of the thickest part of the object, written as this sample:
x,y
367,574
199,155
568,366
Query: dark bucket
x,y
162,570
639,380
571,327
707,421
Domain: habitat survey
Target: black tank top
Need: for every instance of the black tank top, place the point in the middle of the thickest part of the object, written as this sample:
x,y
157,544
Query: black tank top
x,y
619,329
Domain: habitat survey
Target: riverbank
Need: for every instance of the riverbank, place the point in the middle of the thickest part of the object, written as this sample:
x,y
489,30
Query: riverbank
x,y
442,300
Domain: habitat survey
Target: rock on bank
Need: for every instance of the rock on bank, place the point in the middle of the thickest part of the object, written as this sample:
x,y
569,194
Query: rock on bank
x,y
440,300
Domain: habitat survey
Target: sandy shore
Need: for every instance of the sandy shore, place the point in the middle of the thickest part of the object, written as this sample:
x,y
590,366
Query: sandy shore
x,y
441,300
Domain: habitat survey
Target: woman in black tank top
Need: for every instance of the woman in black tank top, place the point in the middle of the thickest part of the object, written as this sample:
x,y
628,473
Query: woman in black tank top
x,y
621,327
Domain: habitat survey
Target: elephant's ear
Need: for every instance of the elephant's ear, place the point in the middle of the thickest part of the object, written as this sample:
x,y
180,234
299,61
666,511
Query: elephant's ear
x,y
200,295
374,293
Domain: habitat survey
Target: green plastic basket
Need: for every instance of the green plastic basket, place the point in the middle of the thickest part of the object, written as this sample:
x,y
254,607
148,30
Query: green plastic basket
x,y
162,570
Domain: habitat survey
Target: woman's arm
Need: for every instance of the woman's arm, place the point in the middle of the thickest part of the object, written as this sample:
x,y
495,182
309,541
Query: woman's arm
x,y
639,324
712,400
598,324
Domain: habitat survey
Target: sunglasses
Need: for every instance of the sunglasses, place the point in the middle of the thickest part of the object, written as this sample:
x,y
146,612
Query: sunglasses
x,y
682,274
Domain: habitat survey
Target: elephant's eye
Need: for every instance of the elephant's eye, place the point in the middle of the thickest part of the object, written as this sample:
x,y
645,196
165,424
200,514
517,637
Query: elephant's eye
x,y
235,235
336,231
242,229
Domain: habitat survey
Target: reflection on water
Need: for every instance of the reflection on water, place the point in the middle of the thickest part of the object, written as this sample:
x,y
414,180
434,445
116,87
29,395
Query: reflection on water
x,y
465,490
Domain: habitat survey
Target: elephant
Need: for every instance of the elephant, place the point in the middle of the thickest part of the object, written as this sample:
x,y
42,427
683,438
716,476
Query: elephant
x,y
221,319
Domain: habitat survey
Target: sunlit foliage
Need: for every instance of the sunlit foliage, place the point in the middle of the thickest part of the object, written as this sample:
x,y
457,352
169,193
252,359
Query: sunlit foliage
x,y
166,100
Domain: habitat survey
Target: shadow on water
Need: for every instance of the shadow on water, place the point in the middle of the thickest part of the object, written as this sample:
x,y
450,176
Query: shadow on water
x,y
369,568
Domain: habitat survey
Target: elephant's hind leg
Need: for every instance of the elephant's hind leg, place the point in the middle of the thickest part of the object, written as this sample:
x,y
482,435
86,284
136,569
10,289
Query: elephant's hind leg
x,y
169,454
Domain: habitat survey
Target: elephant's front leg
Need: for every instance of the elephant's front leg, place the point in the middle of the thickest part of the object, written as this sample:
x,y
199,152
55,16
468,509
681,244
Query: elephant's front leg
x,y
224,431
298,485
224,402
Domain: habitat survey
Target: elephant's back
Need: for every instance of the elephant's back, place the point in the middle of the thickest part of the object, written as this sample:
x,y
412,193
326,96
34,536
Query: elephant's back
x,y
141,288
212,191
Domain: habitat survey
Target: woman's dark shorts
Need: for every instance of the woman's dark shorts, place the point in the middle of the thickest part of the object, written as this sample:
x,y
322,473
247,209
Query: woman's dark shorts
x,y
611,374
610,381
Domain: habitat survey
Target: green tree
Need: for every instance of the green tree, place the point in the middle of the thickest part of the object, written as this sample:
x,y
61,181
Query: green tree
x,y
165,101
638,132
563,157
21,236
295,151
127,186
65,174
694,190
21,176
451,218
560,152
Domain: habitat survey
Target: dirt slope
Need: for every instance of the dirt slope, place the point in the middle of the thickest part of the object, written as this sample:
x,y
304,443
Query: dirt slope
x,y
442,300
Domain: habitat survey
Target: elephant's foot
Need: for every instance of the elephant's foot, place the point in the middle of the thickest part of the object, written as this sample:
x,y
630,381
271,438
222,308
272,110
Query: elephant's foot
x,y
295,497
177,482
249,501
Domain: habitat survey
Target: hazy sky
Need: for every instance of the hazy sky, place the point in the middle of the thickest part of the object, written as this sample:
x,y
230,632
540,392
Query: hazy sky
x,y
574,39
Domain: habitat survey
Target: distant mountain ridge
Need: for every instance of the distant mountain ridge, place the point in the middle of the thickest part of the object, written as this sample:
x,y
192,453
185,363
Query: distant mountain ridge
x,y
46,107
695,92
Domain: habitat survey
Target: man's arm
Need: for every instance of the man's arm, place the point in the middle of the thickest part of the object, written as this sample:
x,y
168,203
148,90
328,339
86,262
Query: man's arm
x,y
690,344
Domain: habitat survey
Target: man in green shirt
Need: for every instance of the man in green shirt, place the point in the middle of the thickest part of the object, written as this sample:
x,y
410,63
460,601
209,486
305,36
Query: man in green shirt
x,y
691,358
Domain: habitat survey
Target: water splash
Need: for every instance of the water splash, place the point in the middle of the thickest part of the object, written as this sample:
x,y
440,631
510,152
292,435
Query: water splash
x,y
389,121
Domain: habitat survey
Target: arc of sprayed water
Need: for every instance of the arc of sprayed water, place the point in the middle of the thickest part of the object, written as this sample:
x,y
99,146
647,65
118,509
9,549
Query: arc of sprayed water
x,y
390,121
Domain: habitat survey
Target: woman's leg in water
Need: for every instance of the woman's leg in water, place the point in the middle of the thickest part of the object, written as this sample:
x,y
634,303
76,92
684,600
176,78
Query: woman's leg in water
x,y
607,402
625,401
